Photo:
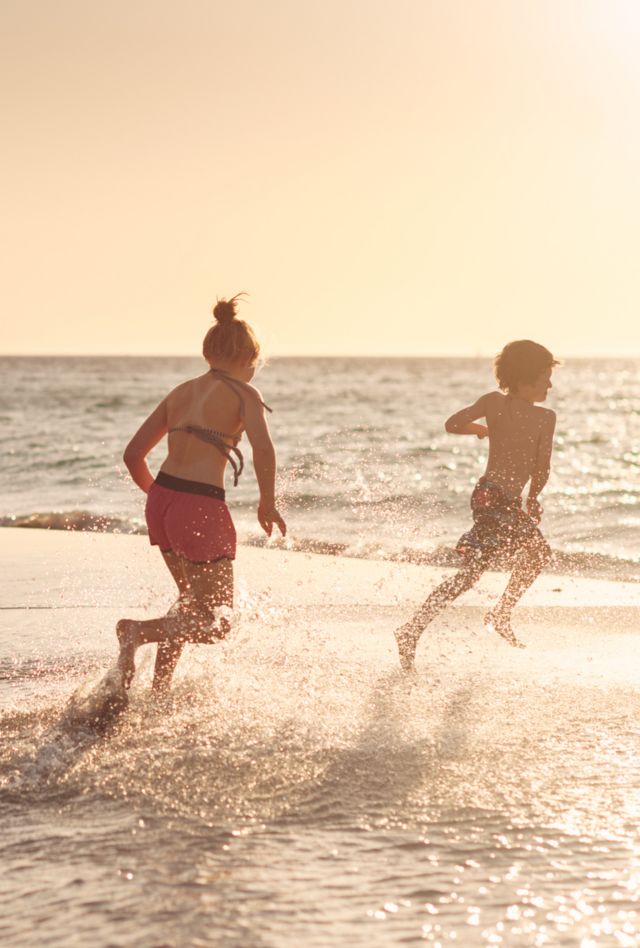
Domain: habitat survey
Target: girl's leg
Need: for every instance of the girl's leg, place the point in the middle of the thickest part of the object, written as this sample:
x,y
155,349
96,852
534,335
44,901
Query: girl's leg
x,y
407,635
169,652
210,585
529,562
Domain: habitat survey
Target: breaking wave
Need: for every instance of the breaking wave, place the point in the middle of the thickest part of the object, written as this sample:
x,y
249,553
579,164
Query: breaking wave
x,y
581,562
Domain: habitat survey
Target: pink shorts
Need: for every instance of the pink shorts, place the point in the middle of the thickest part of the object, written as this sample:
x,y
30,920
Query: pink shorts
x,y
190,519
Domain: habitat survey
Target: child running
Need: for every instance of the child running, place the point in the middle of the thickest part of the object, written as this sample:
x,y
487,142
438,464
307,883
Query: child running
x,y
186,512
520,443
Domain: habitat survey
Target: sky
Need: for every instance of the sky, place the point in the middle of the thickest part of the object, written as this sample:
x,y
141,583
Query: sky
x,y
383,177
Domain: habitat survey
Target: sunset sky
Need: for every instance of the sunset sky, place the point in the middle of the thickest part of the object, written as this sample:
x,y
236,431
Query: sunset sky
x,y
384,177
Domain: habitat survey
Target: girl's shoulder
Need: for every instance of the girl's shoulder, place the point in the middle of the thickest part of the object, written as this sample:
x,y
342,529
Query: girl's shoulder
x,y
185,390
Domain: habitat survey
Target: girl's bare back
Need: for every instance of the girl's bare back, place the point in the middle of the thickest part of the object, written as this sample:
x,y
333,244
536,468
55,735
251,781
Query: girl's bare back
x,y
205,402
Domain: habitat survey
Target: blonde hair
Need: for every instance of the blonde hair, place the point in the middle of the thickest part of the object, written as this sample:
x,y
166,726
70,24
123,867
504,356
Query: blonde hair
x,y
230,339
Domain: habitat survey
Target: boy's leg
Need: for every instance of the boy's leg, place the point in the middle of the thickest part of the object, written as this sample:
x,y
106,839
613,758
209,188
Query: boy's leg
x,y
407,635
529,562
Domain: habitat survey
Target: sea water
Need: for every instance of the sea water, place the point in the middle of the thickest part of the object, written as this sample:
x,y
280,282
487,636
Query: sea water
x,y
292,789
366,467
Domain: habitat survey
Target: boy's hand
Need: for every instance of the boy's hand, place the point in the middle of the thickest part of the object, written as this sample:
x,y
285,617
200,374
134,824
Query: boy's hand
x,y
534,509
267,516
481,431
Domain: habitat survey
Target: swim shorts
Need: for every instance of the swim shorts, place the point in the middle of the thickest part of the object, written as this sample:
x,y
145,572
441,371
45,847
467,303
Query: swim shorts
x,y
190,519
500,525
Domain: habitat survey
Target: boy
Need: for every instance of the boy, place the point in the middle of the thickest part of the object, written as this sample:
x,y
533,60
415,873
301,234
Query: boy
x,y
520,442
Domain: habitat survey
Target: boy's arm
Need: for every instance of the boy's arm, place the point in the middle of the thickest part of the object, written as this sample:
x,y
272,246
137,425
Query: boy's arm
x,y
464,422
145,438
540,474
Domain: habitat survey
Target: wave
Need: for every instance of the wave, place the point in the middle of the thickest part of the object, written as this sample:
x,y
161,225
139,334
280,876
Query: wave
x,y
81,520
582,562
359,496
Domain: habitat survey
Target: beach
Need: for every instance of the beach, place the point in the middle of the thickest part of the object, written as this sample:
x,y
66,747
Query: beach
x,y
292,787
412,228
408,232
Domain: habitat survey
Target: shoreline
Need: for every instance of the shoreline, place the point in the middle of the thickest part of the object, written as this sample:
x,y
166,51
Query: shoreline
x,y
577,564
35,562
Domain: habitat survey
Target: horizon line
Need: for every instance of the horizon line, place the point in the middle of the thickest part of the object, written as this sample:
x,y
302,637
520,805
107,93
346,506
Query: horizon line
x,y
301,355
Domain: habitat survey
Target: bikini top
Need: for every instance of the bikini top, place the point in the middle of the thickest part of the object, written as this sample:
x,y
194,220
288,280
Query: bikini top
x,y
217,438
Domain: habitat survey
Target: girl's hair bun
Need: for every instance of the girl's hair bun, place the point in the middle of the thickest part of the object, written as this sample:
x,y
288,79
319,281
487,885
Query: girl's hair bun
x,y
225,310
230,339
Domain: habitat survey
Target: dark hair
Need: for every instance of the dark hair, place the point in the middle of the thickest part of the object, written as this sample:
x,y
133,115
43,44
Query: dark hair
x,y
230,339
520,363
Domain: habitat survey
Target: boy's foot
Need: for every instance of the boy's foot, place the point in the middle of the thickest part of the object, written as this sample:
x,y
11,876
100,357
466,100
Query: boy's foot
x,y
494,621
126,663
407,642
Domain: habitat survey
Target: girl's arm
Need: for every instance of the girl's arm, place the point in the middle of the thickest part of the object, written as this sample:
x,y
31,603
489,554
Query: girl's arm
x,y
264,463
146,437
464,422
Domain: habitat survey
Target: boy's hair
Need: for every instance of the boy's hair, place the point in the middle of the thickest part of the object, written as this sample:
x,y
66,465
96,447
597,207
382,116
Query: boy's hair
x,y
520,363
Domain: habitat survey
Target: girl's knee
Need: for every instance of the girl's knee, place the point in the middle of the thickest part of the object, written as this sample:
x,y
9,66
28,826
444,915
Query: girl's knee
x,y
206,626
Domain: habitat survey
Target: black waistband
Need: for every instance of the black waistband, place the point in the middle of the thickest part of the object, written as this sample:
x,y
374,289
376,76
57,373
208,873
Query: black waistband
x,y
189,487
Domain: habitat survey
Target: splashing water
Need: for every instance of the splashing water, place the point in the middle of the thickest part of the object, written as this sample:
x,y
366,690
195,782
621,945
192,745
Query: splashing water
x,y
292,786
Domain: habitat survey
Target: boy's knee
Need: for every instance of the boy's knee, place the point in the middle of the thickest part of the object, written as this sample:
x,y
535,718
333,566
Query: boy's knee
x,y
544,551
467,578
539,552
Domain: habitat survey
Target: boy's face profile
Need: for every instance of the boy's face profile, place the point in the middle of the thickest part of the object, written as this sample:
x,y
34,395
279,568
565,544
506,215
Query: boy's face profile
x,y
537,390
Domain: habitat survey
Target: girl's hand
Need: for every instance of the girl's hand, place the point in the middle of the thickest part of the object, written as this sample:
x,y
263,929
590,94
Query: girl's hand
x,y
481,431
267,516
534,509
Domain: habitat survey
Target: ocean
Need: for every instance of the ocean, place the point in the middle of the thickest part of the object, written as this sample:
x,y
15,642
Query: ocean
x,y
366,468
292,789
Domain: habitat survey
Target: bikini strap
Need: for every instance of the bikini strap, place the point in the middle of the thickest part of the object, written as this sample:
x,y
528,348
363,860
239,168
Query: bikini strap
x,y
239,387
231,452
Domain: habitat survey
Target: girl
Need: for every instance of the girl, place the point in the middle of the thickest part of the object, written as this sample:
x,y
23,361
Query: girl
x,y
186,512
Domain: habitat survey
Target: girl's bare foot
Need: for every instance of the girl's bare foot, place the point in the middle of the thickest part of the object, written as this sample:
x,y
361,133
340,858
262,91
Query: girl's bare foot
x,y
127,639
407,642
500,622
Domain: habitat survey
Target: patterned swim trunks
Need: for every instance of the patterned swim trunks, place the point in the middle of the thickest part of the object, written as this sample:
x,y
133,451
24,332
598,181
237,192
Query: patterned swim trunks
x,y
500,525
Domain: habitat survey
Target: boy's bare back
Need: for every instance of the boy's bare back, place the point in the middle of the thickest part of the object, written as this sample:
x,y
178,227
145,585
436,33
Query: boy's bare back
x,y
520,433
520,441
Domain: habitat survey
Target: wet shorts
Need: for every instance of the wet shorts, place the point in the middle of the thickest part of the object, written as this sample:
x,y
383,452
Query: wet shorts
x,y
500,525
190,519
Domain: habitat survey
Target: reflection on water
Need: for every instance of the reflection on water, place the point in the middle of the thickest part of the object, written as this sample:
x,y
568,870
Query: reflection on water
x,y
293,790
367,467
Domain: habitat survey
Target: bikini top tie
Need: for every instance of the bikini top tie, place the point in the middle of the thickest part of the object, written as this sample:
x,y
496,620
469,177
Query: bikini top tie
x,y
217,438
